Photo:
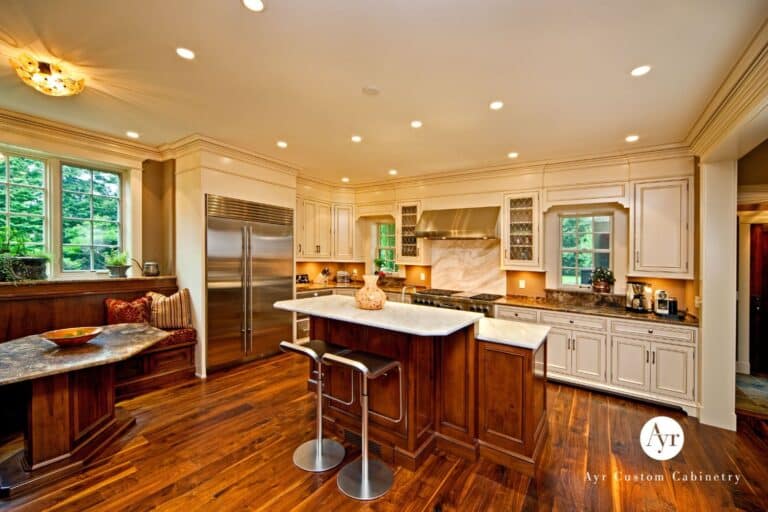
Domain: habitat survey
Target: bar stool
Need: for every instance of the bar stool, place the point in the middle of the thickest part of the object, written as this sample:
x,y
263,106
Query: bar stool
x,y
365,479
318,454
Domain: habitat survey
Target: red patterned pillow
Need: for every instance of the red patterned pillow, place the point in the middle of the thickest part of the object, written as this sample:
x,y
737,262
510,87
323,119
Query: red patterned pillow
x,y
138,311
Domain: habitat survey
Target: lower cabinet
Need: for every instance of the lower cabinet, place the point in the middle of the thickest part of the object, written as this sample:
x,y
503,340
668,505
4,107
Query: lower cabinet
x,y
578,354
653,366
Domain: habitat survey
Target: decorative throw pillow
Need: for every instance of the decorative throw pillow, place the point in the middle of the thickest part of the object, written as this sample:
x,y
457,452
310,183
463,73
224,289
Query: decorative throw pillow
x,y
124,312
173,312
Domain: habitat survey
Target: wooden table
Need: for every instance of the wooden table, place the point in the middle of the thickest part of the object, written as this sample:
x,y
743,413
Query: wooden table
x,y
71,413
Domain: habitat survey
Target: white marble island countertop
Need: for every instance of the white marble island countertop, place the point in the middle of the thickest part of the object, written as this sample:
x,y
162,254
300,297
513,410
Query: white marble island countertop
x,y
516,334
396,316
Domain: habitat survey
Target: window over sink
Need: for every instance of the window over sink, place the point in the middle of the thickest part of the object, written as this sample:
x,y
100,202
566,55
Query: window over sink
x,y
385,247
586,243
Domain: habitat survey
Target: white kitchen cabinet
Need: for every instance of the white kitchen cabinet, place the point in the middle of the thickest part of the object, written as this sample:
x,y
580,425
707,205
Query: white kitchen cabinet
x,y
410,250
661,230
630,363
343,232
521,231
559,351
517,314
298,219
588,356
672,370
316,227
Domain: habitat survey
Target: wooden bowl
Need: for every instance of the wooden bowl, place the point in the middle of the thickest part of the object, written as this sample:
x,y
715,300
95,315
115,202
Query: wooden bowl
x,y
72,336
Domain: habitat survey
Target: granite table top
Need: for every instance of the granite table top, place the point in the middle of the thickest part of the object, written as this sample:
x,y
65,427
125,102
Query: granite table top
x,y
33,356
396,316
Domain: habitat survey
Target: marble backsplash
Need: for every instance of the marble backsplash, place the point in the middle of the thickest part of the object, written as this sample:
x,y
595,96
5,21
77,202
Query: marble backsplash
x,y
468,265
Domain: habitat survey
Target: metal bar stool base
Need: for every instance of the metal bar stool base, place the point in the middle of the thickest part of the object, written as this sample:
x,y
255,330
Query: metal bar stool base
x,y
380,478
306,456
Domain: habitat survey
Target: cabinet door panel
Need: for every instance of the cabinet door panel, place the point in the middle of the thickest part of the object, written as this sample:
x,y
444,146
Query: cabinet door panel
x,y
343,232
521,230
631,360
309,247
672,371
558,352
588,356
323,227
661,227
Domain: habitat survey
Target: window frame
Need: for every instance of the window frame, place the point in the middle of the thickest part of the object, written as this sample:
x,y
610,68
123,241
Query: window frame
x,y
378,247
610,251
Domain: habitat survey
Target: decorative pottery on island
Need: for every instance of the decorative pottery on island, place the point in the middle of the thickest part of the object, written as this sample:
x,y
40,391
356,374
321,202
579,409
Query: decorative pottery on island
x,y
72,336
370,296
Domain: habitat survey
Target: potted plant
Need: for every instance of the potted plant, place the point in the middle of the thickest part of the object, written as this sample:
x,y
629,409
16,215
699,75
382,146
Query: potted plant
x,y
602,280
117,263
18,263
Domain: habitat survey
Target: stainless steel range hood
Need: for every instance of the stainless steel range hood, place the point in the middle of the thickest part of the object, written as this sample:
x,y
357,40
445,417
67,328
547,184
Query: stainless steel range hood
x,y
459,224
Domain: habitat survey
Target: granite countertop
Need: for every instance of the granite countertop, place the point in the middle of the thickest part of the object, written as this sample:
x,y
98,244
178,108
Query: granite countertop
x,y
516,334
614,312
396,316
33,356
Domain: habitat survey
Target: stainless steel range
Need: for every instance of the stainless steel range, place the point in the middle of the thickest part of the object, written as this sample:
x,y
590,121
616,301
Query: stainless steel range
x,y
455,299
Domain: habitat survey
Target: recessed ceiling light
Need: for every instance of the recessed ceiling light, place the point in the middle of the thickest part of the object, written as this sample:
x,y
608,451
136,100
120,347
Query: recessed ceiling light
x,y
416,124
393,172
357,139
632,138
512,154
345,179
496,105
282,144
371,90
640,70
133,135
185,53
254,5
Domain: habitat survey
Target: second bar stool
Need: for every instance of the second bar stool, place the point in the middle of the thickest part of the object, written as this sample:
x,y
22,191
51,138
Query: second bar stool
x,y
318,454
365,479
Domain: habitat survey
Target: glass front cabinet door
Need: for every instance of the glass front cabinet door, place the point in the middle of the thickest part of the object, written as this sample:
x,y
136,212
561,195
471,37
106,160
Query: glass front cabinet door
x,y
410,250
521,237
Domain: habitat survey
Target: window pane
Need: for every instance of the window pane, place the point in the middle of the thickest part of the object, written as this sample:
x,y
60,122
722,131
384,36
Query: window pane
x,y
99,254
28,229
569,276
602,224
2,169
603,241
584,224
568,259
106,233
77,206
585,276
27,171
106,208
585,241
75,179
585,260
106,184
568,224
76,258
3,202
602,259
27,200
569,241
76,232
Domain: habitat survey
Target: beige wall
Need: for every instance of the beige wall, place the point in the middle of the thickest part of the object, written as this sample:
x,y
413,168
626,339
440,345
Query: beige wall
x,y
158,215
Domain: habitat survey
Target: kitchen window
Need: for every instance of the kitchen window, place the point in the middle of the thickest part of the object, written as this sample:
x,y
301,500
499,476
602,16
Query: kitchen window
x,y
585,244
23,202
385,247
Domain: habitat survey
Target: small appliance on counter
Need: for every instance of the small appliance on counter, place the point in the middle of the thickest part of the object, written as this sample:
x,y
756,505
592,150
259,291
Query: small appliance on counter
x,y
639,297
664,304
302,278
342,277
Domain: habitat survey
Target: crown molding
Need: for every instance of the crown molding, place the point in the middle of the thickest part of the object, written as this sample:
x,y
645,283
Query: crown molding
x,y
197,142
743,92
44,130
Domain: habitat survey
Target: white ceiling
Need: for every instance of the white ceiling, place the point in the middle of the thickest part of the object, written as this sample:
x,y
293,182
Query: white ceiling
x,y
295,72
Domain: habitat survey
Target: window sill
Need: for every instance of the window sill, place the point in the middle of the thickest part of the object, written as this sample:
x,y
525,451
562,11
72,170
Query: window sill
x,y
62,287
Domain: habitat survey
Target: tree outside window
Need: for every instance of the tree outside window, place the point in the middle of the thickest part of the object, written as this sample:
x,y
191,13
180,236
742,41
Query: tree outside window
x,y
385,247
585,244
22,201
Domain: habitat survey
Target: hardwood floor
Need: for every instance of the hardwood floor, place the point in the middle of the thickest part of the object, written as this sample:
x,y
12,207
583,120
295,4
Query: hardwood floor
x,y
226,444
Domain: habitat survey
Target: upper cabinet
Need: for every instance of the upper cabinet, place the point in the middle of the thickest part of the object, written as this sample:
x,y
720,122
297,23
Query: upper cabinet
x,y
317,229
661,229
343,232
521,231
324,231
410,250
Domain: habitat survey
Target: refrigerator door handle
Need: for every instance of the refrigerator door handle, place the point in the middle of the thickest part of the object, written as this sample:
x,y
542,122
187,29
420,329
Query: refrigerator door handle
x,y
249,287
244,283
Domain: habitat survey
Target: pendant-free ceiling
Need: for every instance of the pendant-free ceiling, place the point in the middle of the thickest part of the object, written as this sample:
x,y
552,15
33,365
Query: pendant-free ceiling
x,y
47,77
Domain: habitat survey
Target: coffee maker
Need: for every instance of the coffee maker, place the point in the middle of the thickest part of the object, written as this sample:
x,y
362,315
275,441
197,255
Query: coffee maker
x,y
639,297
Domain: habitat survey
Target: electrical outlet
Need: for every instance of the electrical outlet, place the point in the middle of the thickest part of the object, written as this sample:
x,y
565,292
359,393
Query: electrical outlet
x,y
423,276
521,284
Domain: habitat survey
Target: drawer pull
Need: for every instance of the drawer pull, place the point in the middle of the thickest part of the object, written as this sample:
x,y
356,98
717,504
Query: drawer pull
x,y
571,321
647,358
517,314
650,331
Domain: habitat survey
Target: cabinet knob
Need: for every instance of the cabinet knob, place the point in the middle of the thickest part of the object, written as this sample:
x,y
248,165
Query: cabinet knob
x,y
571,321
650,331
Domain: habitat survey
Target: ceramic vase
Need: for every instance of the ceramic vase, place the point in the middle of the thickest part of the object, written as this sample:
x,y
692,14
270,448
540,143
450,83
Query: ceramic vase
x,y
370,296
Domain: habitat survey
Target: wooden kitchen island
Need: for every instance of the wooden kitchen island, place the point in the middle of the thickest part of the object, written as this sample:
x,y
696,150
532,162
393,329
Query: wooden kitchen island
x,y
468,386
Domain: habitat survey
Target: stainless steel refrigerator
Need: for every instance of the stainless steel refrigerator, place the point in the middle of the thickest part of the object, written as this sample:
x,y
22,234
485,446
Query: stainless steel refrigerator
x,y
249,266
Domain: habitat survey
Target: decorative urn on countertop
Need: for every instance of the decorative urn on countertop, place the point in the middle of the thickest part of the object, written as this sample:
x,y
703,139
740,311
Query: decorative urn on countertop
x,y
370,296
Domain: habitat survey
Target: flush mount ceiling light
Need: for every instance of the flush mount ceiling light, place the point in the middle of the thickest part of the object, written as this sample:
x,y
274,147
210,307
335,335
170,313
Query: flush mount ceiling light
x,y
254,5
282,144
46,77
496,105
416,124
393,172
357,139
640,70
632,138
133,135
512,154
345,179
185,53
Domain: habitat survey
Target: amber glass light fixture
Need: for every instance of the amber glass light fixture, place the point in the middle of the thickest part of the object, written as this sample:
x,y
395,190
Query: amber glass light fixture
x,y
47,77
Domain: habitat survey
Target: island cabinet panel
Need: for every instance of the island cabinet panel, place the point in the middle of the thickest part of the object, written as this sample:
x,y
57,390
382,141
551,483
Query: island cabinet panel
x,y
511,408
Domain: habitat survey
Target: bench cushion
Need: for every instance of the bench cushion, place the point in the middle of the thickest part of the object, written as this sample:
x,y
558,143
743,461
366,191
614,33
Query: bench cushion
x,y
177,337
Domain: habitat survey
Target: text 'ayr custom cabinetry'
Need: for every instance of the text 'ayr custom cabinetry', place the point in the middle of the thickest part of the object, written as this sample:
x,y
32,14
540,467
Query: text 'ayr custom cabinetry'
x,y
643,359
